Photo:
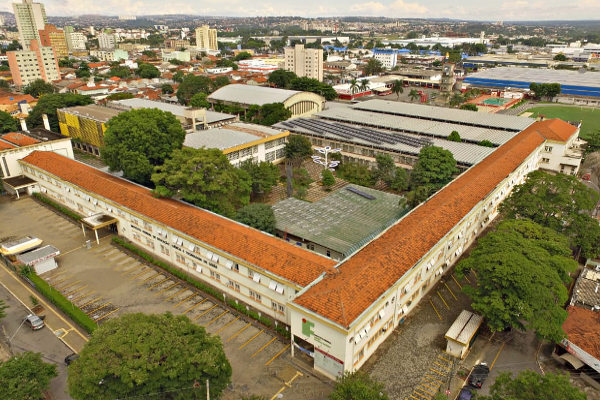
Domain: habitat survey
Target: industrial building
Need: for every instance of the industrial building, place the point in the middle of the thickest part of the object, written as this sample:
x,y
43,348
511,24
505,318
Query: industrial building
x,y
574,83
299,103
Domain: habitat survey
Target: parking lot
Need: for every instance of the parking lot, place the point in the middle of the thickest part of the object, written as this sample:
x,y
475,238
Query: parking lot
x,y
106,282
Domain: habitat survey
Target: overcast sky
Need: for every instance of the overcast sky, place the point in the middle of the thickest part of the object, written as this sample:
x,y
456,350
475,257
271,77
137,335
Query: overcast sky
x,y
464,9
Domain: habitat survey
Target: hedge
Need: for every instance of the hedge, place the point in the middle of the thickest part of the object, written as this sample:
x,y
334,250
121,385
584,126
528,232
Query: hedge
x,y
57,207
199,285
61,302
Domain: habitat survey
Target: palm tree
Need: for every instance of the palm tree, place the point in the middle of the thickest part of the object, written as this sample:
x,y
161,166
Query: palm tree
x,y
413,95
364,85
353,86
397,88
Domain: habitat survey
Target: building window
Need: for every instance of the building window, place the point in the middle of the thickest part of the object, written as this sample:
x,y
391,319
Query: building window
x,y
545,160
548,149
164,249
255,296
215,276
149,243
179,258
147,226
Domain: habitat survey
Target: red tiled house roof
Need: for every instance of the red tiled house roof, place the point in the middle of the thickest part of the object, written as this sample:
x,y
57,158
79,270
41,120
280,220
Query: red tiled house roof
x,y
5,146
360,280
582,327
268,252
556,129
18,139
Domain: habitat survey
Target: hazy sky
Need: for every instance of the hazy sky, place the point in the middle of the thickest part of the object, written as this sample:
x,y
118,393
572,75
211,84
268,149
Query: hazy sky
x,y
466,9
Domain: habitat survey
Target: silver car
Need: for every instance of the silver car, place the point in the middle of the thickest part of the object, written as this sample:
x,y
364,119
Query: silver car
x,y
34,322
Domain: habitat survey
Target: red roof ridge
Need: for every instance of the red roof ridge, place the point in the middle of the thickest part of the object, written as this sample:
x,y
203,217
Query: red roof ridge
x,y
255,247
554,129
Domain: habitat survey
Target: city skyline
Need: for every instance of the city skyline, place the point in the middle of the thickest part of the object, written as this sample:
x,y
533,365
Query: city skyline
x,y
509,10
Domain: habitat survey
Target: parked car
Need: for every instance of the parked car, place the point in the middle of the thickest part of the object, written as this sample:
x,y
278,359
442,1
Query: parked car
x,y
479,375
34,322
465,394
70,358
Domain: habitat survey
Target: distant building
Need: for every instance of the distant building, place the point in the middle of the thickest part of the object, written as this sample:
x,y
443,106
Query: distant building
x,y
177,43
563,150
206,38
304,62
75,40
37,63
387,57
50,36
257,65
110,55
16,104
242,141
30,17
106,41
183,56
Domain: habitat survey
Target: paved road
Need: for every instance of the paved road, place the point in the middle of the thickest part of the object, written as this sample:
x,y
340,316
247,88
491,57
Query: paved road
x,y
43,341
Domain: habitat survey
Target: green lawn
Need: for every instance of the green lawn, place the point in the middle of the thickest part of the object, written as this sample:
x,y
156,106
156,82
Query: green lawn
x,y
589,116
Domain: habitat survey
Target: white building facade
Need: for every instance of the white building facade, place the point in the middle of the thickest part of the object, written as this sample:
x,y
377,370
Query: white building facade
x,y
304,62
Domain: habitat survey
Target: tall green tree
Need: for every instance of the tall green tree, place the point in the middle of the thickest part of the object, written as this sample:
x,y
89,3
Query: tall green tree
x,y
7,122
522,269
219,82
38,88
139,355
199,100
354,86
373,67
136,141
469,107
203,177
257,215
147,71
297,149
593,142
120,72
313,85
454,137
49,103
327,179
301,182
268,114
282,78
529,385
191,85
385,169
413,95
358,385
242,55
264,176
356,173
456,100
167,89
435,167
397,89
560,202
25,377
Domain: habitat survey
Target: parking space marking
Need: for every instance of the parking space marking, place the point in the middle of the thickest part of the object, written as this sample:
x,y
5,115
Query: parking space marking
x,y
82,296
204,312
238,332
107,314
56,274
167,288
423,396
435,309
455,281
467,278
89,302
433,381
286,385
151,277
415,398
431,378
425,390
227,324
264,347
287,346
437,372
158,283
98,308
187,298
429,385
497,355
215,319
450,290
444,358
72,292
68,286
141,273
446,304
251,339
176,293
443,366
60,281
194,306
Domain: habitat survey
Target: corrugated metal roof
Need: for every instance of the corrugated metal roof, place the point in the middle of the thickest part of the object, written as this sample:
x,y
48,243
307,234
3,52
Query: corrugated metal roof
x,y
175,109
248,94
231,135
420,111
464,327
539,75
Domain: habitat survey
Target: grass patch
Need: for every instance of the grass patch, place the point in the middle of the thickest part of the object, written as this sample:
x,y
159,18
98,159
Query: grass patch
x,y
589,116
241,308
56,298
57,207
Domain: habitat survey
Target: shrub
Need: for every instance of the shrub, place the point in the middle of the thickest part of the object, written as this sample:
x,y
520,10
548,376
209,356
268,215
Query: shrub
x,y
61,302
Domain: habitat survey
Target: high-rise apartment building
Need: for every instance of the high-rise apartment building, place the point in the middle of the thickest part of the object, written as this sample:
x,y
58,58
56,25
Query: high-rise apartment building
x,y
78,41
31,18
304,62
206,38
55,38
106,41
36,63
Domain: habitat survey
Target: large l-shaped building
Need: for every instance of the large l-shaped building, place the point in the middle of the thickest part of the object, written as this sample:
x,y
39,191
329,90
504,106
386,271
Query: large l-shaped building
x,y
337,312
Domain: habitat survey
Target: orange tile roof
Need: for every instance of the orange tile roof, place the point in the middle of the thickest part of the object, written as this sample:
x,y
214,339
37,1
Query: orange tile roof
x,y
19,139
268,252
555,129
360,280
6,146
582,327
12,98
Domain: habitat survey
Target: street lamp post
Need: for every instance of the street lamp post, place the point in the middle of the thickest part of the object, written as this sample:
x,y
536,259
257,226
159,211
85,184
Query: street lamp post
x,y
324,161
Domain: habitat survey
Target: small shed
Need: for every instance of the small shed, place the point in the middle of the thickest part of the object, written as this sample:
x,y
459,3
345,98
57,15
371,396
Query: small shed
x,y
462,332
42,259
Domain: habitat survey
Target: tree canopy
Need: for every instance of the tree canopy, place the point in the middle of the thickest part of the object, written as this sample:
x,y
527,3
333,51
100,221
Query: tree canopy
x,y
7,122
435,167
522,268
454,137
139,355
560,57
120,71
49,103
529,385
199,100
356,173
167,89
298,148
469,107
203,177
191,85
25,376
267,114
242,55
545,90
281,78
289,80
264,176
358,385
257,215
38,88
559,202
147,71
327,179
373,67
136,141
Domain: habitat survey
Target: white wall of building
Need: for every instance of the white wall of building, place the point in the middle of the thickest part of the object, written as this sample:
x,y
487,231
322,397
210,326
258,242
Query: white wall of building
x,y
9,159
